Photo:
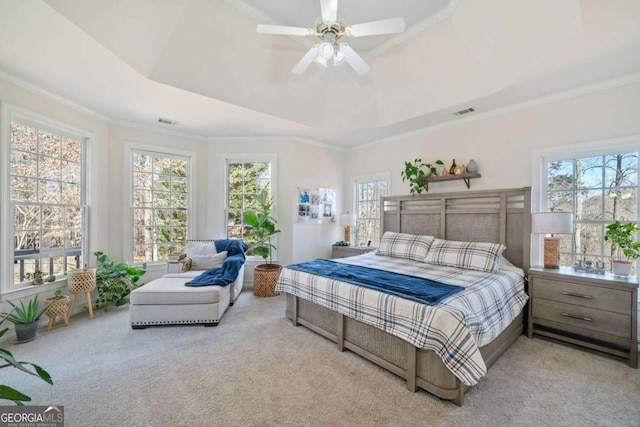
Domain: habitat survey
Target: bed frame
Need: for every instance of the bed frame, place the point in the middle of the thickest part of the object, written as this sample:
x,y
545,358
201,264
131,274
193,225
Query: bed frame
x,y
502,216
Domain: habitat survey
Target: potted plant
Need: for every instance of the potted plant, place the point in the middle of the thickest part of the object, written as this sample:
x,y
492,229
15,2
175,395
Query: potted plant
x,y
115,281
262,227
10,393
627,248
25,318
417,173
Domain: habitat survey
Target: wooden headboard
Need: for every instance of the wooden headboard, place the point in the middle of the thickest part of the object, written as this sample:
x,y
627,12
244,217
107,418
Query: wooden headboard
x,y
500,216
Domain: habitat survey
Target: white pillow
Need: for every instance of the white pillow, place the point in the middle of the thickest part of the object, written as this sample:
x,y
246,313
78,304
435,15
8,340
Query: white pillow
x,y
205,262
402,245
470,255
200,248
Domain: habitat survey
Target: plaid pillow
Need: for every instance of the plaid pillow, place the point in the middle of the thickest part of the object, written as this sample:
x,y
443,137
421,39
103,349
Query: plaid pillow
x,y
470,255
401,245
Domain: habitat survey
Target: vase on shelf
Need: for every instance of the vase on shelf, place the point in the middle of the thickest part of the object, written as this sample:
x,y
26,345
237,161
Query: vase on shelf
x,y
472,166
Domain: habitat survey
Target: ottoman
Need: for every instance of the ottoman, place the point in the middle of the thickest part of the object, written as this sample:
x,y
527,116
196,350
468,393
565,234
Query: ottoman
x,y
167,301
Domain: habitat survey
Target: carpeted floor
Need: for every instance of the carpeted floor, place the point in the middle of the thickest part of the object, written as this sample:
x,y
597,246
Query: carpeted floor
x,y
256,369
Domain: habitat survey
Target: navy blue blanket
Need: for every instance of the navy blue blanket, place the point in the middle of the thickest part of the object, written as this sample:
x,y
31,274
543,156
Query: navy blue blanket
x,y
424,291
228,271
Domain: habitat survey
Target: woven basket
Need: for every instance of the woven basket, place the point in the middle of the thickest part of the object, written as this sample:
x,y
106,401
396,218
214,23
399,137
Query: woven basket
x,y
58,308
265,277
81,281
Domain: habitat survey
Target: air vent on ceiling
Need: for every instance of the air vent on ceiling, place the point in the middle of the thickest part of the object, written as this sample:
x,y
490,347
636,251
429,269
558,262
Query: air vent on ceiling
x,y
167,121
465,111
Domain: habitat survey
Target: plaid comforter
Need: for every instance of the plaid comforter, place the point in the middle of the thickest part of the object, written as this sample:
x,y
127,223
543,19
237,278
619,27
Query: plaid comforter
x,y
453,329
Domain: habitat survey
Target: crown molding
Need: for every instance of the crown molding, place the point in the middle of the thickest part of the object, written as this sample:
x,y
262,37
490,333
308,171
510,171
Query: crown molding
x,y
50,95
160,130
537,102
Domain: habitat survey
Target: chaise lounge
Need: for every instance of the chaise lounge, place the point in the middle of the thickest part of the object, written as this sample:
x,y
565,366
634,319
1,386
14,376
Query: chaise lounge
x,y
198,289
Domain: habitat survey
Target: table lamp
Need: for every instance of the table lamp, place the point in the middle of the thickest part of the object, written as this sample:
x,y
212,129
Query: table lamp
x,y
347,220
552,223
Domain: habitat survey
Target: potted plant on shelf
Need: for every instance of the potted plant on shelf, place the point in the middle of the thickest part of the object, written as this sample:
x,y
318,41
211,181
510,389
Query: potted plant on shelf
x,y
115,281
262,227
25,318
417,173
627,248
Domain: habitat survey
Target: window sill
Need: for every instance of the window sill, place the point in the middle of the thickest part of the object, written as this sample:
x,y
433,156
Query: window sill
x,y
31,290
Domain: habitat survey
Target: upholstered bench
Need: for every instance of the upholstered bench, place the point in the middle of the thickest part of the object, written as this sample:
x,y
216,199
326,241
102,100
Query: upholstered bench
x,y
167,301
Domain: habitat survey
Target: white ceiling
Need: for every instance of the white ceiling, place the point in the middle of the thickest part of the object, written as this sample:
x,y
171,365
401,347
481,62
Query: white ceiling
x,y
202,63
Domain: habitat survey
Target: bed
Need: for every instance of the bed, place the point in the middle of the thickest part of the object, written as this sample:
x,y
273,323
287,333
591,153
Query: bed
x,y
499,216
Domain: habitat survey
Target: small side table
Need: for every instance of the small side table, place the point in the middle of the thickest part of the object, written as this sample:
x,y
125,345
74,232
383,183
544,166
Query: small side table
x,y
347,251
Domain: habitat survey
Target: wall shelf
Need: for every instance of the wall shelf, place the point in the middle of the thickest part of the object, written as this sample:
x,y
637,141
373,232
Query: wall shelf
x,y
465,176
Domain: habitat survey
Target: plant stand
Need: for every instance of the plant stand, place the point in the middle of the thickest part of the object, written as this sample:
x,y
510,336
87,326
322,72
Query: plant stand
x,y
82,282
265,277
60,307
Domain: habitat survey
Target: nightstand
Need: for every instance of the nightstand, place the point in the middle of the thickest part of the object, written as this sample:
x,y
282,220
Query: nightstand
x,y
591,310
347,251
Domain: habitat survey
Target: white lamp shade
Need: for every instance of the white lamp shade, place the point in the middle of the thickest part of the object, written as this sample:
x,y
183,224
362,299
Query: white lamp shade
x,y
348,220
552,223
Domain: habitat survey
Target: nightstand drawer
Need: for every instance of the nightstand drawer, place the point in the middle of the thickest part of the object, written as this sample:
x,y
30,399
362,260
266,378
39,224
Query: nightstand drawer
x,y
583,317
583,295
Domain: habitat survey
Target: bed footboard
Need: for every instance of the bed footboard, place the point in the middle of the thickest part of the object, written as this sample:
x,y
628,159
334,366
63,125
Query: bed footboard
x,y
420,368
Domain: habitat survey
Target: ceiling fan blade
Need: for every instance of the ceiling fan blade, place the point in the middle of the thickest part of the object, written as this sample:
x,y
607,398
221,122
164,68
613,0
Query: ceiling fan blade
x,y
306,60
385,26
284,30
329,10
356,62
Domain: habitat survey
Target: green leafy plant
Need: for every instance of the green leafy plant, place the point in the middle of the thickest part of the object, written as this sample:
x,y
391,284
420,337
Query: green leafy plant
x,y
262,227
623,236
8,360
417,173
115,281
25,314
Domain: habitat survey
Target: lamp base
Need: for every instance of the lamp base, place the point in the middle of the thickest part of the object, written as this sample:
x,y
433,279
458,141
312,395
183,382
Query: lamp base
x,y
347,235
551,252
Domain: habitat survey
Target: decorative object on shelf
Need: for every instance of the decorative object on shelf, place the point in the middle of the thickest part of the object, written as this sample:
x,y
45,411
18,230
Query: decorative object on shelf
x,y
472,166
51,278
341,243
81,282
25,318
452,169
627,248
460,169
552,223
58,305
445,172
259,237
418,173
347,220
585,266
37,277
316,205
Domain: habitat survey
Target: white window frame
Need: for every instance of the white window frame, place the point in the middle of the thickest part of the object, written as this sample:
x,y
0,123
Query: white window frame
x,y
363,179
129,149
249,158
540,158
10,113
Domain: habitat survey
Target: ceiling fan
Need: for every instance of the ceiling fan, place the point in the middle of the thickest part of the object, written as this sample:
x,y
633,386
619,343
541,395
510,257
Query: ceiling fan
x,y
330,31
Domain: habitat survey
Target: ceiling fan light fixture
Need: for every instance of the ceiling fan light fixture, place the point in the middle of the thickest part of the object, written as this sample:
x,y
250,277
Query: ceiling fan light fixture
x,y
322,61
326,50
338,58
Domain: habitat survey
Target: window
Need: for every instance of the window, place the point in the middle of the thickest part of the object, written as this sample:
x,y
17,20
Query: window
x,y
245,178
47,192
160,204
368,192
598,187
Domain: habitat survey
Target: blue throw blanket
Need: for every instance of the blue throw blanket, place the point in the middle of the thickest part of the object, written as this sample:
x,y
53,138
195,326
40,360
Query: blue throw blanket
x,y
424,291
228,271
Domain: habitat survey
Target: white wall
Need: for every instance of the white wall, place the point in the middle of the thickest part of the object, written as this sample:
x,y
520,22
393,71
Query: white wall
x,y
502,144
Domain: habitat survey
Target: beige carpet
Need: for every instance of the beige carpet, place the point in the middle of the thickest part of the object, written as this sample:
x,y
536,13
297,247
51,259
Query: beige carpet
x,y
256,369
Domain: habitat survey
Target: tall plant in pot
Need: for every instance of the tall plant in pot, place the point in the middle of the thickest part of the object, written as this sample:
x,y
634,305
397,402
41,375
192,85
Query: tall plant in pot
x,y
626,246
262,228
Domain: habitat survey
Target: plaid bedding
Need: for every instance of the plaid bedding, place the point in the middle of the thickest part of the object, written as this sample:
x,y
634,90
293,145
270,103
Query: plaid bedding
x,y
453,329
